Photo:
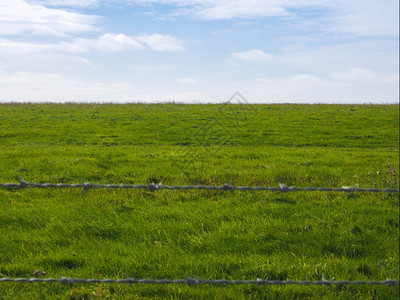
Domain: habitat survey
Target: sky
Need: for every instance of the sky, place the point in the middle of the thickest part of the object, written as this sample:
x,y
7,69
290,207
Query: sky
x,y
271,51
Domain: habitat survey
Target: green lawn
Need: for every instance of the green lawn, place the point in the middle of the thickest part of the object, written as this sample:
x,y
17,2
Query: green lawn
x,y
208,234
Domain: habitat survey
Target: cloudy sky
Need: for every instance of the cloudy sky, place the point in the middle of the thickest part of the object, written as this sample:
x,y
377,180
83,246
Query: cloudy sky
x,y
329,51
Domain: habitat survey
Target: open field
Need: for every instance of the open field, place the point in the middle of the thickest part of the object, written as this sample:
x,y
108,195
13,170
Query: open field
x,y
208,234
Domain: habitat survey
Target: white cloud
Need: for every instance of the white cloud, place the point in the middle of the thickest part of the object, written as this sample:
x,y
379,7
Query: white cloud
x,y
9,46
252,55
358,17
355,17
48,87
366,17
143,70
300,88
19,17
364,76
161,42
355,74
182,97
365,54
187,80
108,42
65,3
307,88
43,62
293,84
223,10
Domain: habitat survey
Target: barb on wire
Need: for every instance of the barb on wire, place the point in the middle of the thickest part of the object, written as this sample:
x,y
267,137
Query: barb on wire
x,y
226,187
196,281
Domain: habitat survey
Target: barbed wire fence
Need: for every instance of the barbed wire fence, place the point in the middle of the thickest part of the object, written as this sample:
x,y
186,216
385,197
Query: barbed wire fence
x,y
225,187
196,281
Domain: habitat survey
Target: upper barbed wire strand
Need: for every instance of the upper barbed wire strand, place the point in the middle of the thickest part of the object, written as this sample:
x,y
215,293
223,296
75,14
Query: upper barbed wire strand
x,y
226,187
197,281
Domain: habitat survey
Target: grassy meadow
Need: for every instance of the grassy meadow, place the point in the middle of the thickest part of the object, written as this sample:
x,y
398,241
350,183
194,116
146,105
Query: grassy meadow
x,y
207,234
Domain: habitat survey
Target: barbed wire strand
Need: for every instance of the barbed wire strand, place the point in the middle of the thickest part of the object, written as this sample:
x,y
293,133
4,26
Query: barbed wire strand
x,y
226,187
197,281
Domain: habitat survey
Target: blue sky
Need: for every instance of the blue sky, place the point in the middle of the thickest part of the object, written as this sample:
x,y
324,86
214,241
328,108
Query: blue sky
x,y
272,51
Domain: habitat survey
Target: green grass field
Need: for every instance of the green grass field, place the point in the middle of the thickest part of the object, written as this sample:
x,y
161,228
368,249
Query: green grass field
x,y
208,234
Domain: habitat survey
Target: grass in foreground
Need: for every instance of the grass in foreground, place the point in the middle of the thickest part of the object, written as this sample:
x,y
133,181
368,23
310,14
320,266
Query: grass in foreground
x,y
171,234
